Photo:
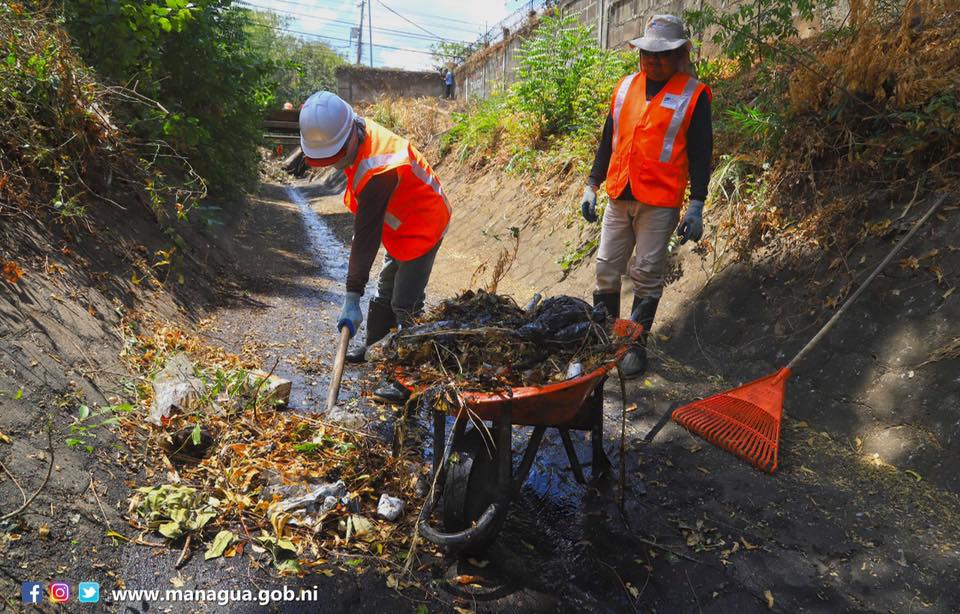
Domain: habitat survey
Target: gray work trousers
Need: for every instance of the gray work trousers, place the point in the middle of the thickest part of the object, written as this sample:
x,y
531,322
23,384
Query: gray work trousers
x,y
402,284
642,231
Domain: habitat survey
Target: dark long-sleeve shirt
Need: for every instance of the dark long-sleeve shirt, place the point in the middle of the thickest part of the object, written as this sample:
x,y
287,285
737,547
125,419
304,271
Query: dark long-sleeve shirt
x,y
699,148
368,228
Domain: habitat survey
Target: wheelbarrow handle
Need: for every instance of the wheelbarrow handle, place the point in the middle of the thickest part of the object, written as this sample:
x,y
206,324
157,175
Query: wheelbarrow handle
x,y
467,537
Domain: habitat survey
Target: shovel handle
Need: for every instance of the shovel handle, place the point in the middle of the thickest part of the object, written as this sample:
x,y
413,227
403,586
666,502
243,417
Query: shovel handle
x,y
334,389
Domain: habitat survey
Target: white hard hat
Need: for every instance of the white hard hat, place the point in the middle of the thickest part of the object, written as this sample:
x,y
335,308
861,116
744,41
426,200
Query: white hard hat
x,y
325,123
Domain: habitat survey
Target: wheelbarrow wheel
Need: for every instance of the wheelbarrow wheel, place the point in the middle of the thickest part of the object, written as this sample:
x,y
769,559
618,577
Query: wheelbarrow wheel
x,y
471,486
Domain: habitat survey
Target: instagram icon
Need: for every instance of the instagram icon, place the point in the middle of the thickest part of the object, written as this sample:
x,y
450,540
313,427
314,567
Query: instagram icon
x,y
59,592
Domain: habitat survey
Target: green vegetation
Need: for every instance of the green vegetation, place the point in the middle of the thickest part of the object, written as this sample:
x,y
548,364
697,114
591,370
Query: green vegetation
x,y
798,122
552,114
299,67
195,61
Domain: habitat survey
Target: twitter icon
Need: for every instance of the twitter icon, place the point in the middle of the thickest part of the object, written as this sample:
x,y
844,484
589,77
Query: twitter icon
x,y
88,592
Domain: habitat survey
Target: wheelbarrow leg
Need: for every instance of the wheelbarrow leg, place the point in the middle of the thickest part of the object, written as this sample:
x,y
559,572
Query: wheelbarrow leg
x,y
572,455
439,438
531,452
600,461
504,454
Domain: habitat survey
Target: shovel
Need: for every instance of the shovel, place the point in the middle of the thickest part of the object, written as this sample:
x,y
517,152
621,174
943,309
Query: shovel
x,y
334,389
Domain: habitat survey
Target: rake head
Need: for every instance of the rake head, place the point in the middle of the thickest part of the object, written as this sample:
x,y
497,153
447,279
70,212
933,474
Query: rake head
x,y
744,421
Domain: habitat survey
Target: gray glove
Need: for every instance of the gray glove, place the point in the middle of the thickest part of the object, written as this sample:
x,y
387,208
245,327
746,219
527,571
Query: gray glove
x,y
588,206
350,315
692,225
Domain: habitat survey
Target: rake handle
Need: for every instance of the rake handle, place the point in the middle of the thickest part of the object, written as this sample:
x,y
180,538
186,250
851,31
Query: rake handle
x,y
843,308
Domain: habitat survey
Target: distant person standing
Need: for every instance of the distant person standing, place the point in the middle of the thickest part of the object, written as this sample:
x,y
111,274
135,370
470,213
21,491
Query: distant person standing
x,y
448,83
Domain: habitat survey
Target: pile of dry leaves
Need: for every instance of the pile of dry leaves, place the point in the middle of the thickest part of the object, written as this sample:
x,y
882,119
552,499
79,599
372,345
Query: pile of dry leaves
x,y
243,476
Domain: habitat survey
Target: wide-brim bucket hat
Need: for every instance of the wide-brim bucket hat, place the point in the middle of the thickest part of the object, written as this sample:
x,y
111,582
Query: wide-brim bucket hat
x,y
663,33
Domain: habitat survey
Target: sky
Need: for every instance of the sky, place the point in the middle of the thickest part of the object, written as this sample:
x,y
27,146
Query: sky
x,y
402,37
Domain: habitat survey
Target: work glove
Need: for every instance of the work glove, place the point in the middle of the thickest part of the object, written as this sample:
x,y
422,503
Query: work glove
x,y
588,207
692,225
350,315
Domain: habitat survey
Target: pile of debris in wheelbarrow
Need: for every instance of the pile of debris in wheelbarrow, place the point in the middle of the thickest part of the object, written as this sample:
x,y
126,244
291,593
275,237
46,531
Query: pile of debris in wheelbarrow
x,y
479,358
484,341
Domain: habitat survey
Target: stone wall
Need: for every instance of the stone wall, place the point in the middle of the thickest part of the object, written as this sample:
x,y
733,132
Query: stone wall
x,y
359,84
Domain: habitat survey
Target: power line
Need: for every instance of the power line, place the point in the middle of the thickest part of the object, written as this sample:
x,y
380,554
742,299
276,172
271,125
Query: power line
x,y
416,25
347,41
390,31
446,21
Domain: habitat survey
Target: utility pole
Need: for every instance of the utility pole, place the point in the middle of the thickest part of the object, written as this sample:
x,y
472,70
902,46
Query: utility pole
x,y
370,28
360,33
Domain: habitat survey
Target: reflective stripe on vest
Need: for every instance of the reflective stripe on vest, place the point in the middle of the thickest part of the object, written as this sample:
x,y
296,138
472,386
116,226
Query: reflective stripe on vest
x,y
431,181
376,161
679,112
418,213
391,220
618,105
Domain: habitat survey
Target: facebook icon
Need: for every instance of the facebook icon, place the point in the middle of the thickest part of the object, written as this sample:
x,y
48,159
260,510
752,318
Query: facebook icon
x,y
32,592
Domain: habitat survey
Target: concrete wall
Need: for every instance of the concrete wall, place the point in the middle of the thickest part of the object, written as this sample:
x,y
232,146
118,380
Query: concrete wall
x,y
357,84
613,21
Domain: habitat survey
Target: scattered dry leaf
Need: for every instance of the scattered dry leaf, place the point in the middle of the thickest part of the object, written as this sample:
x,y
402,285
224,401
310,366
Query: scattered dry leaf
x,y
466,579
910,263
769,597
12,272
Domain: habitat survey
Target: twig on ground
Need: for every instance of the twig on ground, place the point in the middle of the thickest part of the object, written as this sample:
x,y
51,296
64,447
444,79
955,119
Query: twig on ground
x,y
665,549
630,598
97,497
695,598
23,495
185,553
46,479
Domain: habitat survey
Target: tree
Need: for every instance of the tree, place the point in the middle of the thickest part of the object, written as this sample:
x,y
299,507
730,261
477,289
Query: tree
x,y
301,67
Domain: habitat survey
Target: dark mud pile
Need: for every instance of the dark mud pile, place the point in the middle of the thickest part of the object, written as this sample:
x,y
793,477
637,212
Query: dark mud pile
x,y
483,341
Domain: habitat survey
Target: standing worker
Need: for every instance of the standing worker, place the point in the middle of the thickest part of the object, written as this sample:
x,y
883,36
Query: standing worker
x,y
658,137
448,84
397,200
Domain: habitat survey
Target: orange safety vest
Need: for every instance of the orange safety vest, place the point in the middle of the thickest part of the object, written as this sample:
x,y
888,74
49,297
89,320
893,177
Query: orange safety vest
x,y
418,211
650,138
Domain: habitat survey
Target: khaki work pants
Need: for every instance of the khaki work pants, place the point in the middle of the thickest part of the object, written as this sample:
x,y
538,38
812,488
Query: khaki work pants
x,y
641,231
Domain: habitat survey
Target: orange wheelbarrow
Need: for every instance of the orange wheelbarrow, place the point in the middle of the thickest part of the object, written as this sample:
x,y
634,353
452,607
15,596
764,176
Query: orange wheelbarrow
x,y
474,473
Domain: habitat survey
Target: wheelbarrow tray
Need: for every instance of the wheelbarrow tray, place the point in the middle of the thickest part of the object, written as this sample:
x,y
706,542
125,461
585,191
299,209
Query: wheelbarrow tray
x,y
550,405
483,483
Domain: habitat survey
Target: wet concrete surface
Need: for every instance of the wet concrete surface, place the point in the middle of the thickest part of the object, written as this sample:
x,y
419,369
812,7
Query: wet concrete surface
x,y
696,531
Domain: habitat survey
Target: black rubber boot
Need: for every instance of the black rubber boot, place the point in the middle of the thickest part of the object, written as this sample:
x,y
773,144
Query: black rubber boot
x,y
380,320
390,391
634,362
610,300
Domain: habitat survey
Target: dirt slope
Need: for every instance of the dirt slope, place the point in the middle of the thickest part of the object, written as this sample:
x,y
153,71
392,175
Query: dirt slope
x,y
60,349
861,515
